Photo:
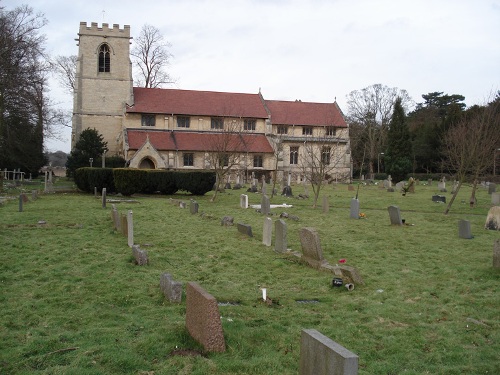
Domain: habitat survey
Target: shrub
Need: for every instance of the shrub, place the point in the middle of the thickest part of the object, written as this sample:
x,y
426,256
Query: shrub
x,y
129,181
86,179
197,183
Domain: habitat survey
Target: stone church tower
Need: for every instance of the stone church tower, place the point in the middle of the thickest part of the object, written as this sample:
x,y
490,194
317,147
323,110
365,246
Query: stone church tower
x,y
103,82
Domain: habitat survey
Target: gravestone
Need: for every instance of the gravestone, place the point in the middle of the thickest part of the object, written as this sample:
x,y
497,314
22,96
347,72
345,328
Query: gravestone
x,y
354,213
95,192
130,229
493,218
325,205
244,201
429,181
455,187
182,204
227,221
171,289
281,240
203,318
115,217
265,205
287,191
400,185
464,230
320,355
267,231
34,195
264,187
496,253
439,198
140,256
492,187
386,184
495,199
442,186
312,253
395,215
103,197
245,229
124,224
193,207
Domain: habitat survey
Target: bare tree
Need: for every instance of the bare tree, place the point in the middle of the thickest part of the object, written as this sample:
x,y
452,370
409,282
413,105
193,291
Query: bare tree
x,y
151,56
277,145
369,113
470,145
64,68
322,157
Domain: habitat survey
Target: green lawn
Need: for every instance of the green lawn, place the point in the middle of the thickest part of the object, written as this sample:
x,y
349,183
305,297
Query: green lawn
x,y
73,302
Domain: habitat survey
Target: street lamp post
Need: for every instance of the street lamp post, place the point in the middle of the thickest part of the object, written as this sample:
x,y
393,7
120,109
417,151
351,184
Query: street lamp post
x,y
378,162
91,160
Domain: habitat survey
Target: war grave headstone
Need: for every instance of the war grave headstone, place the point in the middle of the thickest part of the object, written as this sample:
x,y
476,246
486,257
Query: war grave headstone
x,y
395,215
140,256
320,355
171,289
354,209
244,201
492,187
267,231
203,318
281,239
245,229
493,218
464,229
193,207
496,253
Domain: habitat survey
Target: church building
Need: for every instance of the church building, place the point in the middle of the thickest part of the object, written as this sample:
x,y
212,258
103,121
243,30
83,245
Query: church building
x,y
157,128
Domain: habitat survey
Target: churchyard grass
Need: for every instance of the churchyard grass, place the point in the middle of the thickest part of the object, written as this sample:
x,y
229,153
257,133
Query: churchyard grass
x,y
73,302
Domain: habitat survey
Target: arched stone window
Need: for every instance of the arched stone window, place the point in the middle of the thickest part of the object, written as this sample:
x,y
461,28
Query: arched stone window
x,y
147,163
104,58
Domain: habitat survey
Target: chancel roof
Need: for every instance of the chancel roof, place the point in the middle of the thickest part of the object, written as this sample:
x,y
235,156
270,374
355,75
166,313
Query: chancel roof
x,y
305,113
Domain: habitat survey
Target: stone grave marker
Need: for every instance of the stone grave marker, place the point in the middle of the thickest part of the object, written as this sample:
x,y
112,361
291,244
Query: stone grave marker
x,y
439,198
244,201
400,185
140,256
130,229
203,318
495,199
281,239
267,231
325,205
312,253
496,253
320,355
493,218
429,181
103,197
442,186
245,229
227,221
492,187
193,207
354,213
95,192
171,289
395,215
265,205
464,230
124,224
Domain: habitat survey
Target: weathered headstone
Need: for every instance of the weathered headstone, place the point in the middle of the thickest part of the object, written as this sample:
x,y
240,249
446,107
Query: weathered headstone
x,y
442,186
265,205
311,247
439,198
130,229
140,256
124,224
182,204
244,201
464,230
354,212
171,289
203,318
395,215
227,221
495,199
496,253
267,231
399,185
325,205
493,218
492,187
320,355
95,192
281,239
193,207
103,197
455,187
245,229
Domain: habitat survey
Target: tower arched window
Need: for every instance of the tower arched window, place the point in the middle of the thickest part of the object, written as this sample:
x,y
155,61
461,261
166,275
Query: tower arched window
x,y
104,58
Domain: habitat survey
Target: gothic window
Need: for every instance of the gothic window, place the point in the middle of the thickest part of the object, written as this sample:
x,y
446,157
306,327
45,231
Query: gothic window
x,y
104,58
148,120
294,155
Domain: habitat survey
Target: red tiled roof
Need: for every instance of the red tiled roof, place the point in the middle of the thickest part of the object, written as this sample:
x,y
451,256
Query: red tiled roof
x,y
199,141
201,103
305,113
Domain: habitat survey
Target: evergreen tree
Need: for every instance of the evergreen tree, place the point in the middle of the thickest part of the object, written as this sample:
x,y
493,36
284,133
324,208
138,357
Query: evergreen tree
x,y
398,158
90,145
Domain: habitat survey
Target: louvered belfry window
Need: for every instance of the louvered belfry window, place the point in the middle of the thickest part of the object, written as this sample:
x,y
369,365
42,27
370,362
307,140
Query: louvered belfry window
x,y
104,59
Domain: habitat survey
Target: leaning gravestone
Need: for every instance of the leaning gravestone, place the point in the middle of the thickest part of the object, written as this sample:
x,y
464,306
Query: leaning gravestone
x,y
395,215
496,253
267,231
311,247
280,242
464,230
493,218
245,229
244,201
140,256
203,318
171,289
320,355
354,213
265,205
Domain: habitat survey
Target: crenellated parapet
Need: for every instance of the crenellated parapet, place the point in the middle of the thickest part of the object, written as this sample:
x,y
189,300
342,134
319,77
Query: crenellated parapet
x,y
114,31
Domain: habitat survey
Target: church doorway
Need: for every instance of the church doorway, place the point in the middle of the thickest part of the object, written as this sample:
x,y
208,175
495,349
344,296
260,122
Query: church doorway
x,y
147,163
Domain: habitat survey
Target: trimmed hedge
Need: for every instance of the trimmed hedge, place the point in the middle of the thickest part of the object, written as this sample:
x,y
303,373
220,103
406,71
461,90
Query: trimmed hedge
x,y
128,181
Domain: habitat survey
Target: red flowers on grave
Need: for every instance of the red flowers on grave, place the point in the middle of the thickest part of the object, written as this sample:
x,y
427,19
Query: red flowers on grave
x,y
342,261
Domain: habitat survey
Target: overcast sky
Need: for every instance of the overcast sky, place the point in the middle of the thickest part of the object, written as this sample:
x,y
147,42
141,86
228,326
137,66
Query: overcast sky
x,y
315,50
